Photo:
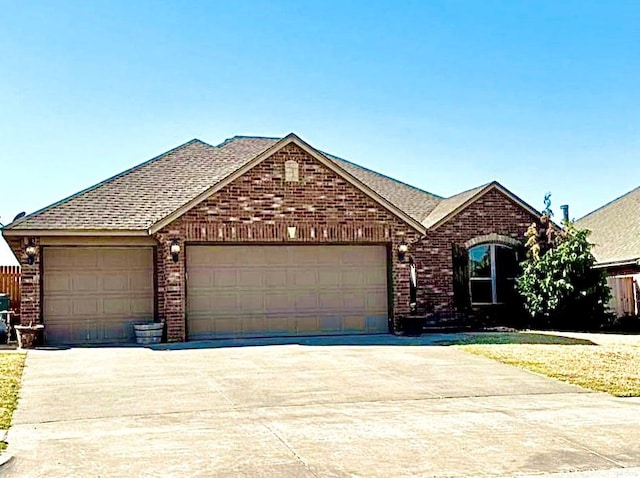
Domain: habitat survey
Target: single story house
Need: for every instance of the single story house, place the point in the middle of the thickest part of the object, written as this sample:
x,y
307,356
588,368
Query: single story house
x,y
615,233
259,237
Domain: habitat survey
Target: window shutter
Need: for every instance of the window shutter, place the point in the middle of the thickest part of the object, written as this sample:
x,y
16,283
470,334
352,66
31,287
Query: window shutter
x,y
461,296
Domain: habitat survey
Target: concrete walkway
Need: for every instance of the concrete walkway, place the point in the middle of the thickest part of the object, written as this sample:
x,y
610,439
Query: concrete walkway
x,y
370,407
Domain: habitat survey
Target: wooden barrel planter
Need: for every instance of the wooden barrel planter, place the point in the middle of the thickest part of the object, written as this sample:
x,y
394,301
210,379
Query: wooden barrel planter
x,y
149,332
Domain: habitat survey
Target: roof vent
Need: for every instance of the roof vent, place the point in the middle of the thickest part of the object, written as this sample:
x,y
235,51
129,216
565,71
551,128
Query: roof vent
x,y
565,212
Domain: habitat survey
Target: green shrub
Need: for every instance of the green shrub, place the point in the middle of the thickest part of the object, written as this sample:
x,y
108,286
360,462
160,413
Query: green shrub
x,y
559,285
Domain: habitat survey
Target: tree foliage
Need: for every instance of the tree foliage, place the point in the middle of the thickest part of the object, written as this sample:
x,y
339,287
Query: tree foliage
x,y
559,285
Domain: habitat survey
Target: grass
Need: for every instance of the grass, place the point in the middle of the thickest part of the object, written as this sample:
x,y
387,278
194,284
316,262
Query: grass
x,y
11,365
609,365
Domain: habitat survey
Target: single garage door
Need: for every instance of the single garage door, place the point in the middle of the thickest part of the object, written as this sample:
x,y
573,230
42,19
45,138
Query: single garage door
x,y
258,291
93,294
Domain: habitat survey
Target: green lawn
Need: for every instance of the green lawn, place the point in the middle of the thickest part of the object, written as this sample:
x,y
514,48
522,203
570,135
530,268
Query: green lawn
x,y
600,362
11,365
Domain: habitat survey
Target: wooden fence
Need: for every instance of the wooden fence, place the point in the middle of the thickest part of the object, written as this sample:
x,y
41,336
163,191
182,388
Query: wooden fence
x,y
10,284
623,295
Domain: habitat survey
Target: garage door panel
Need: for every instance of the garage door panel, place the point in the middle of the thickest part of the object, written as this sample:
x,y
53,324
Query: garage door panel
x,y
302,277
355,324
225,277
329,276
115,282
199,302
278,302
285,290
83,258
308,325
94,294
57,283
86,282
57,307
224,302
251,301
376,322
114,307
353,277
139,282
84,306
276,277
276,256
249,278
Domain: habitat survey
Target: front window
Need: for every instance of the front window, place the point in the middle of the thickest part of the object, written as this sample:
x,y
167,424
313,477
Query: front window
x,y
492,272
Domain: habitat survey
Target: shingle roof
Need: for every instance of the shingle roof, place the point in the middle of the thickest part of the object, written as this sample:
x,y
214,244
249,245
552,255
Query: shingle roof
x,y
131,201
416,202
615,229
449,205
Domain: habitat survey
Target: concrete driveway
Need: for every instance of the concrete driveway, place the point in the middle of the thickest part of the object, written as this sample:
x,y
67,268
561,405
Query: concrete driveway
x,y
370,407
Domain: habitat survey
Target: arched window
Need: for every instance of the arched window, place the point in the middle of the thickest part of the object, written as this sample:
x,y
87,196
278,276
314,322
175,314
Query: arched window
x,y
492,272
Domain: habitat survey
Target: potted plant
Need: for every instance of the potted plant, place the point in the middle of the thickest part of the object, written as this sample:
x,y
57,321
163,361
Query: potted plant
x,y
29,336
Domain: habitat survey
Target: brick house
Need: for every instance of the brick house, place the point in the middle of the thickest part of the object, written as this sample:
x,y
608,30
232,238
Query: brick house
x,y
259,237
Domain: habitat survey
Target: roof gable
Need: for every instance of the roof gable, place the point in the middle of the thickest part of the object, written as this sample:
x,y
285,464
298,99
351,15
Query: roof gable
x,y
615,229
276,146
453,205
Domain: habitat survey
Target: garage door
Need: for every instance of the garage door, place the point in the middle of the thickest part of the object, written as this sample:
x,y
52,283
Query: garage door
x,y
93,294
258,291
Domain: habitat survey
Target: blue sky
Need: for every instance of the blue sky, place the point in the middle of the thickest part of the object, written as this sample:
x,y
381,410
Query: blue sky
x,y
446,95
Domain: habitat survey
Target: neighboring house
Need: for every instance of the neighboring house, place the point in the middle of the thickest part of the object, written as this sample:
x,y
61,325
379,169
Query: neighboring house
x,y
259,237
615,233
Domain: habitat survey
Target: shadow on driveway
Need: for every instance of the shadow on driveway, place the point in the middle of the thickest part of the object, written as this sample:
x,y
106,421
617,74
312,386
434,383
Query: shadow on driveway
x,y
466,338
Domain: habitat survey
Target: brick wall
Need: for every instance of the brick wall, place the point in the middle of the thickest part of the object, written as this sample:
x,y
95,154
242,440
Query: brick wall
x,y
30,289
260,205
493,213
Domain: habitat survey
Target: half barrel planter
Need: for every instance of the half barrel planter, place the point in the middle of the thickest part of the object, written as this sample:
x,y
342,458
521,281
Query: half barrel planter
x,y
149,332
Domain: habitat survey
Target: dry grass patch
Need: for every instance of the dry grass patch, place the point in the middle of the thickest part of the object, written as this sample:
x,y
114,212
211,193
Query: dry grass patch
x,y
11,365
611,367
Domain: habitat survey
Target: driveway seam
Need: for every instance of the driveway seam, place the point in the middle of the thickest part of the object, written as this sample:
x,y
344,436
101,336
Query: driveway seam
x,y
286,445
270,407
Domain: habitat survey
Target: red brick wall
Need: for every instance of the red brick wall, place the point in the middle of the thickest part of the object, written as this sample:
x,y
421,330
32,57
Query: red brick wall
x,y
30,291
493,213
259,206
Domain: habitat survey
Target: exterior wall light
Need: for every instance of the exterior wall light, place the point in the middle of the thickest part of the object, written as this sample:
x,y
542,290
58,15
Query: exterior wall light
x,y
174,248
402,250
31,250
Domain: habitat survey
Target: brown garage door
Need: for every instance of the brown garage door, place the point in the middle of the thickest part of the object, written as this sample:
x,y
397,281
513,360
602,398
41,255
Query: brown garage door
x,y
258,291
93,294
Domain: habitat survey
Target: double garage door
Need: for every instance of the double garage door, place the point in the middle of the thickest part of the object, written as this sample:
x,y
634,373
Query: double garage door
x,y
93,294
260,291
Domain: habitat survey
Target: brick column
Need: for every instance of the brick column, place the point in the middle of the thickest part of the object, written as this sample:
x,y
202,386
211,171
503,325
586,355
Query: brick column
x,y
30,291
400,273
171,288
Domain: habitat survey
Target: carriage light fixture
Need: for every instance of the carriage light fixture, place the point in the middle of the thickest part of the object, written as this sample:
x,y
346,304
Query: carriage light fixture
x,y
402,251
31,252
175,250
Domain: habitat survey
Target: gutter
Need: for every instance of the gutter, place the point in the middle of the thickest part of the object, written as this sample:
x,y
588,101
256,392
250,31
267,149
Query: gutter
x,y
624,262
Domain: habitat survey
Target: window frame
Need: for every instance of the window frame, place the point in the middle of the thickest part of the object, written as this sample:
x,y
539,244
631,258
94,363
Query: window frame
x,y
494,278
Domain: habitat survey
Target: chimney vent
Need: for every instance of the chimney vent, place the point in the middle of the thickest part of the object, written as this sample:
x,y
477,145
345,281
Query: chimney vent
x,y
565,212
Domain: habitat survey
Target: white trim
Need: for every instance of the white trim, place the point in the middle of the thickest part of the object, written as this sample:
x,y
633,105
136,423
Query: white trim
x,y
492,238
289,139
72,232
